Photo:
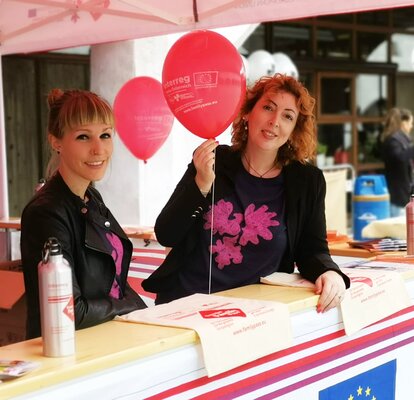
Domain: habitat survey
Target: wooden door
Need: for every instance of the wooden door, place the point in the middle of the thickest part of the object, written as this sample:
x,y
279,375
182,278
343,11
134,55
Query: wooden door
x,y
27,81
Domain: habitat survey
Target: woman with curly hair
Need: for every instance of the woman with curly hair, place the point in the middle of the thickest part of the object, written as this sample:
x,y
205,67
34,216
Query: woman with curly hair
x,y
268,209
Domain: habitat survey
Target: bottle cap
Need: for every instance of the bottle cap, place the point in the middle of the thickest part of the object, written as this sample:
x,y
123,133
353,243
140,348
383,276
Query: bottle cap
x,y
40,184
51,247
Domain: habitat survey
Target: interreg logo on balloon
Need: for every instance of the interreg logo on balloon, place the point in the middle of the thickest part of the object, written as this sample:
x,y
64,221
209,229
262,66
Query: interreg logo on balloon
x,y
206,79
204,82
175,90
151,123
181,82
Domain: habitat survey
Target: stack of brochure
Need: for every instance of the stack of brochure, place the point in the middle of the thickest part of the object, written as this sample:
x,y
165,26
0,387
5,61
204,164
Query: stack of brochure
x,y
10,369
381,245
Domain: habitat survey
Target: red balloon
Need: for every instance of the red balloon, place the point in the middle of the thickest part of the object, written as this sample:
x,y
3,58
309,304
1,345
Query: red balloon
x,y
204,82
143,119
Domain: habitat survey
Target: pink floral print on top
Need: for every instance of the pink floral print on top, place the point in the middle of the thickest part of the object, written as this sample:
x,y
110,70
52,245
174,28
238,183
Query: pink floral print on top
x,y
227,252
256,225
222,222
117,254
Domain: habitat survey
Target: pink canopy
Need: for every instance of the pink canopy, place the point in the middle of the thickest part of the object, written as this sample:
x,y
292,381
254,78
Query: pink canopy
x,y
39,25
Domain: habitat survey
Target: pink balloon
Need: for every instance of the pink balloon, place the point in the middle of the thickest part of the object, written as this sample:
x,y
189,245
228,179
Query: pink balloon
x,y
204,82
143,119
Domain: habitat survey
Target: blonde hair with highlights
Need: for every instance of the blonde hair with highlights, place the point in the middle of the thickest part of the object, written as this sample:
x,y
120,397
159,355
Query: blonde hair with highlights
x,y
70,109
301,145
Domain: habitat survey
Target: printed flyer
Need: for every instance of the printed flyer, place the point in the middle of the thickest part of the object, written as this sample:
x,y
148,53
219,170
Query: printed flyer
x,y
374,294
232,331
377,291
11,369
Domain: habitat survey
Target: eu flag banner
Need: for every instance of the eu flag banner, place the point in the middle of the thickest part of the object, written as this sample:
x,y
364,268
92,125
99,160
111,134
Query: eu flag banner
x,y
375,384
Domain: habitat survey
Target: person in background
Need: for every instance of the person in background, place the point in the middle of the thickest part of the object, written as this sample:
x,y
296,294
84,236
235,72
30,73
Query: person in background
x,y
68,207
268,209
397,150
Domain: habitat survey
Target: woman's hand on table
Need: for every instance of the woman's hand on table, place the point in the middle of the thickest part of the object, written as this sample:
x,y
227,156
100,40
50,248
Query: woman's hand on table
x,y
331,288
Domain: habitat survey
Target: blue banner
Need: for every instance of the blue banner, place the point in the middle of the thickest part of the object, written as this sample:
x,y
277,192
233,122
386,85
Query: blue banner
x,y
377,383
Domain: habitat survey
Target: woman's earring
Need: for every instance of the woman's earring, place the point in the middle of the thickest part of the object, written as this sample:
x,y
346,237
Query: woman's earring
x,y
245,131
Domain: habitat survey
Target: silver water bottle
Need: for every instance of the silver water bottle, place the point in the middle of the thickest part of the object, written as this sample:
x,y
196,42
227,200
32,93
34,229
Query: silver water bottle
x,y
56,302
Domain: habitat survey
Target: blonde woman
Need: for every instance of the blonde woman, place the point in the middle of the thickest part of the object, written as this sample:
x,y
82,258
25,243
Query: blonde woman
x,y
80,133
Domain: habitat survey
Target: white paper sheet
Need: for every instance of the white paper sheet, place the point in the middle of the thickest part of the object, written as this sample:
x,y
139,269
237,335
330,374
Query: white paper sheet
x,y
285,279
232,331
374,294
377,291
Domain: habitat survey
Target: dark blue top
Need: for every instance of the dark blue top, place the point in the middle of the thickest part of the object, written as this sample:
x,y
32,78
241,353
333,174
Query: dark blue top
x,y
249,237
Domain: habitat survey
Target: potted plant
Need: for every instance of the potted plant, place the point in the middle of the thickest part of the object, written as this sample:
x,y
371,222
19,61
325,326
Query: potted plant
x,y
321,150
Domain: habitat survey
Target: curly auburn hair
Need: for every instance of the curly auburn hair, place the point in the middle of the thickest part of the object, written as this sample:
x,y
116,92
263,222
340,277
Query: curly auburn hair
x,y
301,145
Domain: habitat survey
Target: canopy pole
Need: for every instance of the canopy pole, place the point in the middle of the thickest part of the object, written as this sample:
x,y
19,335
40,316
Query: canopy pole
x,y
195,11
4,195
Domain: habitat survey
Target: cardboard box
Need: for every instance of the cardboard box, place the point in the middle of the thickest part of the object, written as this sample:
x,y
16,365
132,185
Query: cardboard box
x,y
12,307
15,265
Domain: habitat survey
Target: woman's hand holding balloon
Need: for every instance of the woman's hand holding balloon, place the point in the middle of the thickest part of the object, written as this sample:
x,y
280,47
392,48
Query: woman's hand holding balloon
x,y
203,159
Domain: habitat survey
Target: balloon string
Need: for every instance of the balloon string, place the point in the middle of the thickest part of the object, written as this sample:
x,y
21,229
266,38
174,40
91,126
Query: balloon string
x,y
212,226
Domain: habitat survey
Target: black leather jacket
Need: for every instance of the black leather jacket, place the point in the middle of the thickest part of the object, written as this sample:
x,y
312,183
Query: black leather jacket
x,y
56,211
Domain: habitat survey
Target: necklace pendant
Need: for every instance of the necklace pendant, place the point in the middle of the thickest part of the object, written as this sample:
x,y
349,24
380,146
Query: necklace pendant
x,y
259,175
